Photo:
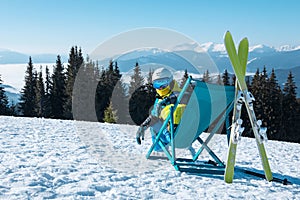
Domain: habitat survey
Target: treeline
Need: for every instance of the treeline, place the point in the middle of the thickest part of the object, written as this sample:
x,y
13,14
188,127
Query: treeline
x,y
277,107
54,96
83,90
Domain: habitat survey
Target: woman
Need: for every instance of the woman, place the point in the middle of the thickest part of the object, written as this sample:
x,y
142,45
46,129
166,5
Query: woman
x,y
167,91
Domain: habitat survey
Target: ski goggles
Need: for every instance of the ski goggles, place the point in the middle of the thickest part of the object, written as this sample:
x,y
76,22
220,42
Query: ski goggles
x,y
161,83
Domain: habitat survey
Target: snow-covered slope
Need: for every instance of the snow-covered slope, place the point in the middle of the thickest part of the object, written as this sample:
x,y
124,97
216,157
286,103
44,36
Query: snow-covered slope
x,y
44,158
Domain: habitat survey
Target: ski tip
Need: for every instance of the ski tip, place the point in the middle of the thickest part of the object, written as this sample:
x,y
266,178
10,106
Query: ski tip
x,y
245,39
227,33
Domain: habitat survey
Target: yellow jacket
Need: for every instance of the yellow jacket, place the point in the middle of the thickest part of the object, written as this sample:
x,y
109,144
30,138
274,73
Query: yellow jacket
x,y
171,92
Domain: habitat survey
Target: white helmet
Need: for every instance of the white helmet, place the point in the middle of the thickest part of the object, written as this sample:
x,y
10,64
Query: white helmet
x,y
162,73
161,77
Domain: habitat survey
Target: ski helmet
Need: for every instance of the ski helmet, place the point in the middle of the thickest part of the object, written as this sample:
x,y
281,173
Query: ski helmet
x,y
161,78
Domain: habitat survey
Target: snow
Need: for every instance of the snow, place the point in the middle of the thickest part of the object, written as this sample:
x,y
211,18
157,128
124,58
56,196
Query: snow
x,y
57,159
288,48
192,46
220,47
213,47
261,49
204,47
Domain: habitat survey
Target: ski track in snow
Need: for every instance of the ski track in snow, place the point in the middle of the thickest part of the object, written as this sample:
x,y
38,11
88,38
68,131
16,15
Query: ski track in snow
x,y
57,159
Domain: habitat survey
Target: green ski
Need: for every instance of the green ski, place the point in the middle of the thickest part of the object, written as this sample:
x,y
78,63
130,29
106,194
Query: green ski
x,y
239,63
229,169
236,129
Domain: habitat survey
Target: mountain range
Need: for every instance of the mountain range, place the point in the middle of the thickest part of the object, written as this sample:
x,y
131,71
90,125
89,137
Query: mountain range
x,y
193,57
213,57
198,58
13,57
284,57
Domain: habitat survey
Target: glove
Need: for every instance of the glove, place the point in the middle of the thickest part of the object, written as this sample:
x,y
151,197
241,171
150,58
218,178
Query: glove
x,y
140,134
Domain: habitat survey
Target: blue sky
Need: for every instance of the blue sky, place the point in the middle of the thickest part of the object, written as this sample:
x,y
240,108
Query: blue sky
x,y
53,26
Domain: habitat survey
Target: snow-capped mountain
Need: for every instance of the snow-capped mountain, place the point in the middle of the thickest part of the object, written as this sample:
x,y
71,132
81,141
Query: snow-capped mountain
x,y
153,58
220,47
284,57
288,48
213,47
261,49
202,48
196,58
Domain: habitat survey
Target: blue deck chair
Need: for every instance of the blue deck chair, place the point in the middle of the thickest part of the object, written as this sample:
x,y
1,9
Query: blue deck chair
x,y
208,105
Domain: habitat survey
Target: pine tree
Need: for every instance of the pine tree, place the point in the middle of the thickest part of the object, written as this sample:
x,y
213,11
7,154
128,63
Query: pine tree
x,y
259,89
89,88
256,91
290,109
105,88
219,80
116,74
274,113
102,96
137,79
83,103
226,81
264,97
112,76
120,103
74,63
97,72
206,77
297,126
184,78
28,96
233,80
226,78
13,109
149,79
48,82
189,90
4,105
110,115
47,100
58,90
110,67
40,95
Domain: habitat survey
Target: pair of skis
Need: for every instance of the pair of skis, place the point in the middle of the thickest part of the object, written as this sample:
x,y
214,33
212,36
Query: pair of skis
x,y
243,96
